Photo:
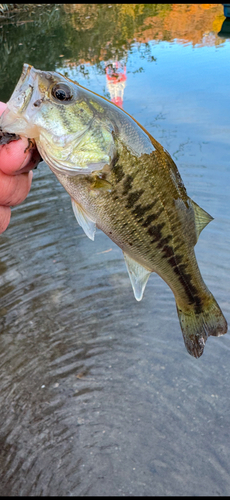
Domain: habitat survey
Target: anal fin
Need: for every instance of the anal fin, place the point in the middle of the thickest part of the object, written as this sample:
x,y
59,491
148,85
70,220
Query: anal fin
x,y
87,224
138,276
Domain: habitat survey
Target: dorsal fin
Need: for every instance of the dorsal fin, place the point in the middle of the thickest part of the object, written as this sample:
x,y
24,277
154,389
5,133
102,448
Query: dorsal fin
x,y
138,276
202,218
87,224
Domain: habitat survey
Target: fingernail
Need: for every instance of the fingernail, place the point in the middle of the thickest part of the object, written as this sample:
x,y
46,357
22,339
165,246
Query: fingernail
x,y
25,161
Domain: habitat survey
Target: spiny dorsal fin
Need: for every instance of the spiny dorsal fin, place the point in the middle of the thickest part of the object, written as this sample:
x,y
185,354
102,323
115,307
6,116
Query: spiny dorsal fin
x,y
138,276
87,224
202,218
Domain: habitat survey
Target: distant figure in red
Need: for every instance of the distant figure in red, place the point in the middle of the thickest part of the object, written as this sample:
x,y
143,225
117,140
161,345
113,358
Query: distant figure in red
x,y
116,78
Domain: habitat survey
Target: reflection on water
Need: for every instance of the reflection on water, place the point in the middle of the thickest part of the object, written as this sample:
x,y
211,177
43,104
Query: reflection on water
x,y
98,395
116,81
80,34
225,29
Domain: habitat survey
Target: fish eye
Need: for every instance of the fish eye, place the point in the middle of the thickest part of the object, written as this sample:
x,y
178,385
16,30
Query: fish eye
x,y
62,92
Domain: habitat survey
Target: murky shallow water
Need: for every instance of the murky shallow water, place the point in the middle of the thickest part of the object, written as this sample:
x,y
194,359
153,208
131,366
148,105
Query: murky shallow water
x,y
98,394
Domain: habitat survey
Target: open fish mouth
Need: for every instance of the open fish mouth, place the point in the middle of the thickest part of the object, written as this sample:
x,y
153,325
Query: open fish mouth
x,y
18,117
11,123
14,119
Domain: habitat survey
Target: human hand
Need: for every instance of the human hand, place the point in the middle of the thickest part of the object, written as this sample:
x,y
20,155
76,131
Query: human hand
x,y
16,163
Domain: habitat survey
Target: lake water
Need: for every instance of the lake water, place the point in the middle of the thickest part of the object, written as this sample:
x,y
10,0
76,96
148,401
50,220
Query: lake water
x,y
98,394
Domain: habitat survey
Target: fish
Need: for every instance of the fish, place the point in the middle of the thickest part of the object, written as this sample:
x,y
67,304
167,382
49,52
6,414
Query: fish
x,y
123,182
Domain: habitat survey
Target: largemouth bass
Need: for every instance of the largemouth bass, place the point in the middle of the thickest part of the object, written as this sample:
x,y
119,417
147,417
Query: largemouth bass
x,y
124,182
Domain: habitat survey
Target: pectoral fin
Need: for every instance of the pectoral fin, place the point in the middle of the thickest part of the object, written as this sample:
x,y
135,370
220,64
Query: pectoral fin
x,y
202,218
138,276
100,184
87,224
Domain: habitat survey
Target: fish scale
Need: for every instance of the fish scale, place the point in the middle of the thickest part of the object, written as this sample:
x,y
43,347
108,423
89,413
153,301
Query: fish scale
x,y
145,237
124,182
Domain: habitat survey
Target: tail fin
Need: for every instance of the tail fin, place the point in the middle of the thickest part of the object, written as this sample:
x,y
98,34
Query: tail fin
x,y
197,327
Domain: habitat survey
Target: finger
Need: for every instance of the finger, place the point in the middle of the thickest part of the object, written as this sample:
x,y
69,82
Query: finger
x,y
13,156
14,188
30,162
5,213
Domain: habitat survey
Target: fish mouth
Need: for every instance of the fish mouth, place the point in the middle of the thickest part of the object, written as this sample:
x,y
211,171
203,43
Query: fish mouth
x,y
15,118
12,123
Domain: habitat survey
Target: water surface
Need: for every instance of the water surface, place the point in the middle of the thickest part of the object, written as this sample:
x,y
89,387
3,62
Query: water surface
x,y
98,394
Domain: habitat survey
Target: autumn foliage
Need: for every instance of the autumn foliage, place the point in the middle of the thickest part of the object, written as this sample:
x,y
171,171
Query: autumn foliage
x,y
187,23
